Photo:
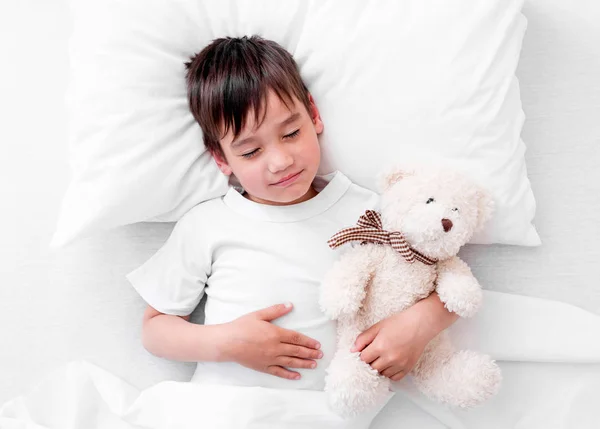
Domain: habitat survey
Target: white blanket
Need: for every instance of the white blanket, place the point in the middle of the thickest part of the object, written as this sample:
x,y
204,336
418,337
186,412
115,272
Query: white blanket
x,y
549,353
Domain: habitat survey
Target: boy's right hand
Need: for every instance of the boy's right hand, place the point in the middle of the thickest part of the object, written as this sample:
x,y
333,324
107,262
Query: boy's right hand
x,y
254,342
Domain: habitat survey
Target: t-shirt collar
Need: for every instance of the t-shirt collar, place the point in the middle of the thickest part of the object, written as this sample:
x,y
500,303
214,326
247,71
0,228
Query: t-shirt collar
x,y
331,188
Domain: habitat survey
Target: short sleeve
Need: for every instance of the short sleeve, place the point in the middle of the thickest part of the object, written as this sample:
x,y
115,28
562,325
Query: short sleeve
x,y
173,279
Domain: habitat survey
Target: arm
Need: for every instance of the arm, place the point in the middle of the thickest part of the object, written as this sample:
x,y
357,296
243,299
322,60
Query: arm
x,y
458,288
176,338
344,286
251,340
394,345
435,315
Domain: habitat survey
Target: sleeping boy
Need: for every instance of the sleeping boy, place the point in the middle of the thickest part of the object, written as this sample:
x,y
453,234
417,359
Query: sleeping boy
x,y
259,252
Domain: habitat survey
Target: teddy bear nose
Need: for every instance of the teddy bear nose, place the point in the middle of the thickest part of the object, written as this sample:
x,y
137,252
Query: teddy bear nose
x,y
447,224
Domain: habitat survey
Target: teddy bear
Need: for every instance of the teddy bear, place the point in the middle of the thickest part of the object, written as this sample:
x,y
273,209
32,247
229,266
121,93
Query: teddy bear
x,y
398,256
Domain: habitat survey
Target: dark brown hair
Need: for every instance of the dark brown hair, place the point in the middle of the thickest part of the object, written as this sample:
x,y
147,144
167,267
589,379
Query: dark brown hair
x,y
232,76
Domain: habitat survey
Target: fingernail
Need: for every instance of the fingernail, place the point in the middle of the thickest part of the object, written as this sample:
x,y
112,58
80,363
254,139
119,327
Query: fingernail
x,y
297,377
353,349
320,355
287,305
313,365
317,346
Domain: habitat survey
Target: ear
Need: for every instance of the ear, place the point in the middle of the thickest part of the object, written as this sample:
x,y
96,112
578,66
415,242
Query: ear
x,y
222,163
393,175
485,207
315,116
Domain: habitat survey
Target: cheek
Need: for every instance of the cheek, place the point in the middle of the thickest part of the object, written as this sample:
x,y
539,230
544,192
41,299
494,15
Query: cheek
x,y
423,222
465,223
426,214
250,175
316,156
395,215
459,228
310,151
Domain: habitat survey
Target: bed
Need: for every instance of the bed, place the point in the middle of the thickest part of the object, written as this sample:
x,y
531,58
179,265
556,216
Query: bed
x,y
75,303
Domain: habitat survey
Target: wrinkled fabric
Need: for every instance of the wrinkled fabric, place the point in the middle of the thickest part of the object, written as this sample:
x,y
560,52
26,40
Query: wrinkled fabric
x,y
548,351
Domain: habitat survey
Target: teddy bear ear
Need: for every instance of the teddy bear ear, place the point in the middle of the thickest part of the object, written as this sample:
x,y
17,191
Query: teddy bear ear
x,y
485,207
393,175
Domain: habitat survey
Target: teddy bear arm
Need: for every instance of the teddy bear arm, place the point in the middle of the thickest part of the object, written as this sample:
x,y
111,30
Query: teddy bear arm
x,y
345,285
458,288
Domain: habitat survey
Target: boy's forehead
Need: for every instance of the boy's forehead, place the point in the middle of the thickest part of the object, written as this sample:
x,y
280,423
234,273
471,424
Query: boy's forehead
x,y
276,111
276,114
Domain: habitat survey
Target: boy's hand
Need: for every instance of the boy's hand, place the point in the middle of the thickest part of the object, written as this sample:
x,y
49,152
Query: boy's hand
x,y
394,345
254,342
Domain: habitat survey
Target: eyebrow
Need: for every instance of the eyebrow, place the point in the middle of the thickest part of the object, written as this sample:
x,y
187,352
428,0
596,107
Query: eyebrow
x,y
290,119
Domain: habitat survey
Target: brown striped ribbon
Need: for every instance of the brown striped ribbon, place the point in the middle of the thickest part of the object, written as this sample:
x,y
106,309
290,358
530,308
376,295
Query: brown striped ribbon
x,y
370,230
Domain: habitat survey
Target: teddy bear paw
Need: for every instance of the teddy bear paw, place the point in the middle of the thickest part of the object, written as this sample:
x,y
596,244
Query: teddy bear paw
x,y
336,301
353,387
461,295
465,380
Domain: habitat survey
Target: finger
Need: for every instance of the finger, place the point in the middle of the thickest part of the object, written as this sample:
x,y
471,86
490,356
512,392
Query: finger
x,y
292,362
279,371
273,312
398,376
390,371
369,354
300,352
379,365
293,337
364,339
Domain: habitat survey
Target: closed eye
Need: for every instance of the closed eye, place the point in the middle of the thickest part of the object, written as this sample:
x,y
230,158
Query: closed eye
x,y
255,151
250,154
292,135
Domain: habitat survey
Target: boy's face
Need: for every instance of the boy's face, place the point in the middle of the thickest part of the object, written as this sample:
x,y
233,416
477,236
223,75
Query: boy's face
x,y
284,145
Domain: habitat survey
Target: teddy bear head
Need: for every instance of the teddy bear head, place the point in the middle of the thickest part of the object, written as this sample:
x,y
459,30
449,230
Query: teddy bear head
x,y
437,210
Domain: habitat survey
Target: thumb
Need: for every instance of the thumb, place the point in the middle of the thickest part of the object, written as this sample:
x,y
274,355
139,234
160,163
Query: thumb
x,y
273,312
364,339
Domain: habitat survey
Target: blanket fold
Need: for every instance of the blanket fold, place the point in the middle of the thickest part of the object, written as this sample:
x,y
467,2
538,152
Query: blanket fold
x,y
549,353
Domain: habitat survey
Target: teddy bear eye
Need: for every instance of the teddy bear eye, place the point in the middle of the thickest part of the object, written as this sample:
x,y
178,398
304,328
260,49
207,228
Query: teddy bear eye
x,y
455,209
430,200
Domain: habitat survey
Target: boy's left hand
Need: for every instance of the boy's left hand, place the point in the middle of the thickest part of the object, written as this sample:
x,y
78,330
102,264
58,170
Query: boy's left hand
x,y
394,345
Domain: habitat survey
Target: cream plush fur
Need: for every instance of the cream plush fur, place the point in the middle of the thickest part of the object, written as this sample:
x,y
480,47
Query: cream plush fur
x,y
372,281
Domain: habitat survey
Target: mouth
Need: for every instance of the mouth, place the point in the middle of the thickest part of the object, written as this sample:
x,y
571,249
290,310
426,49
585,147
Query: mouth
x,y
288,179
429,236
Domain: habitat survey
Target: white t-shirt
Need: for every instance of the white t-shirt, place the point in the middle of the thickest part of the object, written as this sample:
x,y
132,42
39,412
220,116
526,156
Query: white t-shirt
x,y
247,256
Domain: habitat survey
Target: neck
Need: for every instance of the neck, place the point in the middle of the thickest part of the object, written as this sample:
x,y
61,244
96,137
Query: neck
x,y
311,193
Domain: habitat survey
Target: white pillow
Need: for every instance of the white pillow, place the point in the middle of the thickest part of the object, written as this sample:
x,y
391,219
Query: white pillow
x,y
395,81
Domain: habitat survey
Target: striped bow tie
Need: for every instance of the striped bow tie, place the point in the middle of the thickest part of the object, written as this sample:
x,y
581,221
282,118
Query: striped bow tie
x,y
370,230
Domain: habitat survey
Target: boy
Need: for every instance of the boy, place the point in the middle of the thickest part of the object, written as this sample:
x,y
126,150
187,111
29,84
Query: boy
x,y
260,252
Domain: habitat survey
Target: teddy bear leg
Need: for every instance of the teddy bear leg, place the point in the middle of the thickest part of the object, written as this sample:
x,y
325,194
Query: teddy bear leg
x,y
462,378
352,386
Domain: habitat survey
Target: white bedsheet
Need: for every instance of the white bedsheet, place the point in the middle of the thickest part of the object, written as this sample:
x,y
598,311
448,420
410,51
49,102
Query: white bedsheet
x,y
548,351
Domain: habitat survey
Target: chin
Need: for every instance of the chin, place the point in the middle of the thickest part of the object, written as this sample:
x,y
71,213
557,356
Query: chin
x,y
294,197
286,195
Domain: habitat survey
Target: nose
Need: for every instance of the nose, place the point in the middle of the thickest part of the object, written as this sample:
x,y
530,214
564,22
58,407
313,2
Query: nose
x,y
280,160
447,224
